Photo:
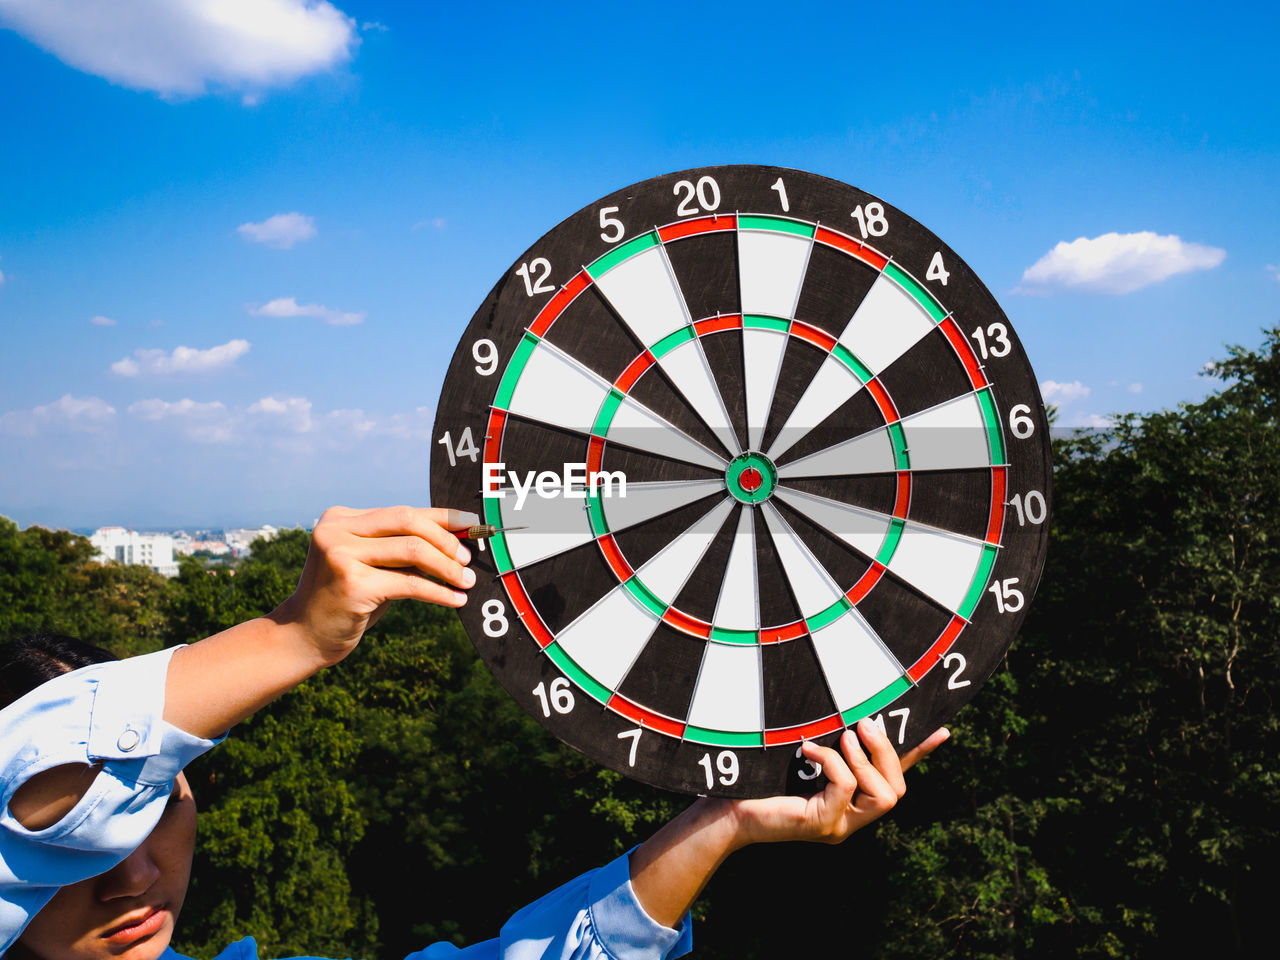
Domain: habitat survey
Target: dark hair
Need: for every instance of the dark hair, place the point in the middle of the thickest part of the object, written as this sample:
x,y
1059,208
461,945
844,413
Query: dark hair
x,y
33,660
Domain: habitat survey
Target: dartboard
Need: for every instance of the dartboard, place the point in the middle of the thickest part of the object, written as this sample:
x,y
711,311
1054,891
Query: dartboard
x,y
770,459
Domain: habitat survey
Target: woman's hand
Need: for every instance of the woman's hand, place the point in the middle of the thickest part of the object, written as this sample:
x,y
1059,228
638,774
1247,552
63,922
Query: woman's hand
x,y
860,790
670,869
358,562
361,560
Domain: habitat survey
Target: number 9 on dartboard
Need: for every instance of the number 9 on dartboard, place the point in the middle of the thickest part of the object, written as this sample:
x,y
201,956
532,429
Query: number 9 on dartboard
x,y
780,463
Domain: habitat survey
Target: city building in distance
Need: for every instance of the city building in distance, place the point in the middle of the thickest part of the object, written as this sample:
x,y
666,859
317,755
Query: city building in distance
x,y
158,550
154,550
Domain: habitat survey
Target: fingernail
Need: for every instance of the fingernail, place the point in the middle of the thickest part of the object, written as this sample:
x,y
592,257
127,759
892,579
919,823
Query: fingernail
x,y
462,554
468,577
459,598
458,519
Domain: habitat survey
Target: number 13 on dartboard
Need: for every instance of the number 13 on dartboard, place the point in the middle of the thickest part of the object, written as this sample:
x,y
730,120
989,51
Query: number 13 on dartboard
x,y
780,464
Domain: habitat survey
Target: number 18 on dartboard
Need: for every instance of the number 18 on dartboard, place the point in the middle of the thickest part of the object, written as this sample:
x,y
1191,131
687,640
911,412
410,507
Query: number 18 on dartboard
x,y
779,462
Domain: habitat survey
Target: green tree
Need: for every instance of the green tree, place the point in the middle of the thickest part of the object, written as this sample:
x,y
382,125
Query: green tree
x,y
1114,791
49,583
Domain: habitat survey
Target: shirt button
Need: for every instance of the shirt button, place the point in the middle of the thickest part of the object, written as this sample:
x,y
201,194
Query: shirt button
x,y
129,740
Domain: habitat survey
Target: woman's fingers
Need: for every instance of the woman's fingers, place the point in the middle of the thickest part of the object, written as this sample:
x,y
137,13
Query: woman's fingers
x,y
883,756
930,744
415,552
875,794
432,524
837,772
402,585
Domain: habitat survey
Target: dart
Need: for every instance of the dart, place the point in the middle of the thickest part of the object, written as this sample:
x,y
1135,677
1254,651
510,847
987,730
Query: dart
x,y
483,531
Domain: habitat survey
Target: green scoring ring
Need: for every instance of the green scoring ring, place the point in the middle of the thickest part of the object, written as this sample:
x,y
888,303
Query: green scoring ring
x,y
751,477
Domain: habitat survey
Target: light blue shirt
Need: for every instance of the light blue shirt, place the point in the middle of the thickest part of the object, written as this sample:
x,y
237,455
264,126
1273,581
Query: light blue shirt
x,y
113,713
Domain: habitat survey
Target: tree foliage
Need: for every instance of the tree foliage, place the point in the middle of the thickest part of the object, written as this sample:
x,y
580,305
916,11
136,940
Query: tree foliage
x,y
1112,791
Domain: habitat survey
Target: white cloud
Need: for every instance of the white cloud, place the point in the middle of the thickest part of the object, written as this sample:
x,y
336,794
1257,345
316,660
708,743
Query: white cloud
x,y
181,47
1094,421
291,414
86,414
279,423
281,231
1055,392
160,409
1,271
1271,269
202,422
374,25
289,307
438,222
1135,388
181,360
1115,263
99,320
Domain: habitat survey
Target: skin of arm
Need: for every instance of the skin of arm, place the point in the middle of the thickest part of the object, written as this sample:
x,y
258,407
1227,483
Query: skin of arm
x,y
358,562
669,870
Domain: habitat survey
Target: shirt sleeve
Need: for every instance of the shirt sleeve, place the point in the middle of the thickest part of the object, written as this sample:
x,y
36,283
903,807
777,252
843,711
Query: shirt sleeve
x,y
111,713
593,917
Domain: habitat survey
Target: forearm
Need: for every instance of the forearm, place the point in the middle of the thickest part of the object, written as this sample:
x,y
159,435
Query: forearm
x,y
670,869
214,684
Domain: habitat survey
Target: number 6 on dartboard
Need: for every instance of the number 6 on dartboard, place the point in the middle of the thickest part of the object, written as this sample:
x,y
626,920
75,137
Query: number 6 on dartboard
x,y
826,489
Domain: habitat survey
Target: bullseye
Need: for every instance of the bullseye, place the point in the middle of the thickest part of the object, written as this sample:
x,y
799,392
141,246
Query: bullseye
x,y
751,477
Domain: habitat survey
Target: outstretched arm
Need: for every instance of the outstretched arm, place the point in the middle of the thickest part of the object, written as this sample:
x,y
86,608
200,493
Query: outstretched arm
x,y
358,562
670,869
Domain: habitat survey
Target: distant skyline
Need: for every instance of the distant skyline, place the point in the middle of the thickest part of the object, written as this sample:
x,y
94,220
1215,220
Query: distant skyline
x,y
234,262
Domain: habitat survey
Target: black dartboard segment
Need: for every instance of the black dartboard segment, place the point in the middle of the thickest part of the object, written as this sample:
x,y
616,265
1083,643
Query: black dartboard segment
x,y
781,462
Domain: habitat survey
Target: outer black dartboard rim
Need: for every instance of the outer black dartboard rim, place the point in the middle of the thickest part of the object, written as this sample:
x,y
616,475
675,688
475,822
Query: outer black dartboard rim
x,y
520,614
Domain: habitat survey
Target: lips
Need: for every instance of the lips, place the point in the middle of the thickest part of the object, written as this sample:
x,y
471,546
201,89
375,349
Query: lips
x,y
144,923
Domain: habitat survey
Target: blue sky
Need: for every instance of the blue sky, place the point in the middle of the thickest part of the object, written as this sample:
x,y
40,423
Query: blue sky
x,y
421,147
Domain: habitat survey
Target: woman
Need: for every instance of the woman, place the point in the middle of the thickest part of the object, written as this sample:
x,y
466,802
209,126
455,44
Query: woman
x,y
97,825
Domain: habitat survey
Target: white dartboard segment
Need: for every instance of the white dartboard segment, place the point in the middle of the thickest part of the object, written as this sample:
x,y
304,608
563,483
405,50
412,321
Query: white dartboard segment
x,y
854,661
606,639
864,530
887,323
762,351
949,436
552,525
636,426
666,572
728,694
643,293
813,586
555,390
687,367
940,565
738,605
771,269
832,385
644,501
870,453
